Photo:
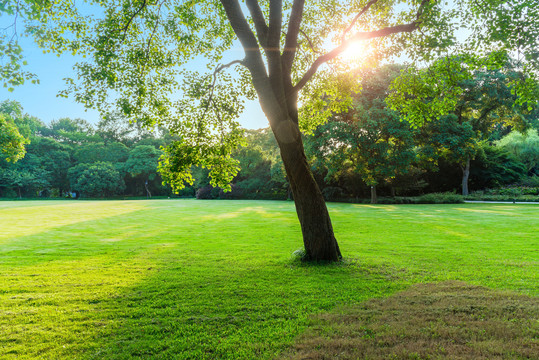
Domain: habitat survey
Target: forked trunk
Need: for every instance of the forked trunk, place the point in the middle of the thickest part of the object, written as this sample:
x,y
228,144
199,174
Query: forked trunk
x,y
465,176
318,237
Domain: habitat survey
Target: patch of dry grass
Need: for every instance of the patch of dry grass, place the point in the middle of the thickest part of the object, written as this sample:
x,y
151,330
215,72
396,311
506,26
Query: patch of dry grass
x,y
449,320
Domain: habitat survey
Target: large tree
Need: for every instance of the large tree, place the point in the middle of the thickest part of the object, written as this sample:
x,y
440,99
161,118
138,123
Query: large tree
x,y
138,50
368,139
484,100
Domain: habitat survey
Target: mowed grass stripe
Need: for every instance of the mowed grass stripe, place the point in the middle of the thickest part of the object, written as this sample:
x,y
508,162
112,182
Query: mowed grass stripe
x,y
215,279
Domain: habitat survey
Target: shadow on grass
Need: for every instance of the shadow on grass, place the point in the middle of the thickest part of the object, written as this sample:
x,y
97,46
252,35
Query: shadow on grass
x,y
428,321
219,309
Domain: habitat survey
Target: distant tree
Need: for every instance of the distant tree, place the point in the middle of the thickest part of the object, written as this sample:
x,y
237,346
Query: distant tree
x,y
483,98
74,173
99,152
100,179
262,174
450,139
114,128
142,164
369,138
55,158
27,176
16,128
494,166
71,131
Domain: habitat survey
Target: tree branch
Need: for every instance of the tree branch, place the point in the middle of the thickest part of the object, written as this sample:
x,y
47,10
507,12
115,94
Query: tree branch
x,y
275,23
126,27
218,69
260,23
273,50
357,37
253,57
291,41
355,19
149,42
310,42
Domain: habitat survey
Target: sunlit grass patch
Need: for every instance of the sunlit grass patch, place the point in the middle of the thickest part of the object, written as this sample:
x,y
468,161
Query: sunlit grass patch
x,y
34,217
449,320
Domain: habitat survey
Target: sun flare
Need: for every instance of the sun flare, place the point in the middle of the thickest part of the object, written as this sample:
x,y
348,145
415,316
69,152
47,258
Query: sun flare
x,y
355,52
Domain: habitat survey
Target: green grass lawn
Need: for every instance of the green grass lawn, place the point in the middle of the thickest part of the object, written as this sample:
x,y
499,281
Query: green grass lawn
x,y
192,279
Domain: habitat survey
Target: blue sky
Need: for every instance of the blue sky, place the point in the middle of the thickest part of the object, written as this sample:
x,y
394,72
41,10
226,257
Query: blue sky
x,y
41,101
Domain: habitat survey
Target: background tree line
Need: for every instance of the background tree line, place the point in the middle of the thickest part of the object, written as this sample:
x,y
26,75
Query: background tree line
x,y
485,142
72,158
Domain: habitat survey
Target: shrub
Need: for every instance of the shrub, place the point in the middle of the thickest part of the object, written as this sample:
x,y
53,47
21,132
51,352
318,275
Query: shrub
x,y
440,198
485,197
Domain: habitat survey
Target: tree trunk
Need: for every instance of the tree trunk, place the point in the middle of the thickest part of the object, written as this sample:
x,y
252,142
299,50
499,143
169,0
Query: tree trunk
x,y
318,237
465,177
374,198
148,193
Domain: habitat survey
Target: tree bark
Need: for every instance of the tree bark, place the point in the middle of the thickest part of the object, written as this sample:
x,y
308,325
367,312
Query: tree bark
x,y
465,176
317,230
374,198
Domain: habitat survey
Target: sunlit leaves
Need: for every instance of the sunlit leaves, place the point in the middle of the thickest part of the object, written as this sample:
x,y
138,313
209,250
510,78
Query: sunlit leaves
x,y
11,141
427,94
327,94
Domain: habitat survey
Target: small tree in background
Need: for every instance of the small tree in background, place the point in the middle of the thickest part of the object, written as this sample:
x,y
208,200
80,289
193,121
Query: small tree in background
x,y
142,164
482,99
100,179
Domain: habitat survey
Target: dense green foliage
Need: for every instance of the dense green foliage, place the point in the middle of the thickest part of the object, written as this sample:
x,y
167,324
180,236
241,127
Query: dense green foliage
x,y
374,146
11,141
71,156
172,278
369,139
525,147
484,101
406,161
99,179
